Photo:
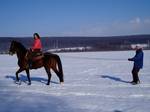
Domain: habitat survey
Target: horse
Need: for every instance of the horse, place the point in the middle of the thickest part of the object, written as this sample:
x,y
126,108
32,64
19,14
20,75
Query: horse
x,y
48,61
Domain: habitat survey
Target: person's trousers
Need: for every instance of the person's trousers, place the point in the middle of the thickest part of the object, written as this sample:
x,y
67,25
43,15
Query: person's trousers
x,y
135,76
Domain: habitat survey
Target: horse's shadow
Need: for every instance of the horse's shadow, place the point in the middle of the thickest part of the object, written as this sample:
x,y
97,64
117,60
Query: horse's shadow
x,y
114,78
23,78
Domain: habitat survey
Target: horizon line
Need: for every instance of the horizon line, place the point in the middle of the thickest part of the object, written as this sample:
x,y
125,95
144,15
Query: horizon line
x,y
74,36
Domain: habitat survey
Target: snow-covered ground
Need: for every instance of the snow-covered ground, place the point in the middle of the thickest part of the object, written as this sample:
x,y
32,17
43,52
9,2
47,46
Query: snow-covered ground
x,y
94,82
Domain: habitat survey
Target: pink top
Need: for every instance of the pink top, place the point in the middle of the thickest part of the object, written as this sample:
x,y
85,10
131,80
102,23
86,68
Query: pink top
x,y
37,44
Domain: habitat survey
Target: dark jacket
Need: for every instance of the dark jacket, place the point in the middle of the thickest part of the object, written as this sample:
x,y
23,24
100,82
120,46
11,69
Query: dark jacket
x,y
138,59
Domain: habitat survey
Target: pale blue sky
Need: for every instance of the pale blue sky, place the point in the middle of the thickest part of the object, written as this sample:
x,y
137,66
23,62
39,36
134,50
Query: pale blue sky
x,y
74,17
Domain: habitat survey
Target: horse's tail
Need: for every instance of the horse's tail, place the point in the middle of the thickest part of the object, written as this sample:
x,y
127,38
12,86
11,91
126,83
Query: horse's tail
x,y
60,67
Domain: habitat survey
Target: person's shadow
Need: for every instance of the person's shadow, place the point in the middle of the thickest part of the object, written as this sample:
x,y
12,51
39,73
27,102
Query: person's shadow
x,y
24,79
114,78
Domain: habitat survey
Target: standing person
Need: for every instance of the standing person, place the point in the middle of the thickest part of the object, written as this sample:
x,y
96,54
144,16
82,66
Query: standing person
x,y
36,48
138,64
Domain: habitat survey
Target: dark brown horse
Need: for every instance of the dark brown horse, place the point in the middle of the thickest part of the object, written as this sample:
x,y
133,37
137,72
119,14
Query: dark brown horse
x,y
48,61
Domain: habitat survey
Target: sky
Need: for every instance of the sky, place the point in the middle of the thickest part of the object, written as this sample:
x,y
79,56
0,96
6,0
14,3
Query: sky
x,y
19,18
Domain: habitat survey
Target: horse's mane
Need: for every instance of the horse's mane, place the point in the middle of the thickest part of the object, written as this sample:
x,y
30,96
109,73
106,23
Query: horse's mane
x,y
19,45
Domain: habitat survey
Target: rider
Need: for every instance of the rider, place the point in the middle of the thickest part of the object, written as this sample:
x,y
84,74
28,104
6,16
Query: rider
x,y
36,48
37,45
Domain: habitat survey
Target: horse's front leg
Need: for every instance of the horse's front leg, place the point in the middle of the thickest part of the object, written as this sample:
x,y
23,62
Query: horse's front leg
x,y
17,78
28,75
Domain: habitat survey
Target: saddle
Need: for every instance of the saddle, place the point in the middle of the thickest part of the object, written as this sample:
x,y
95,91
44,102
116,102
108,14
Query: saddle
x,y
34,55
37,56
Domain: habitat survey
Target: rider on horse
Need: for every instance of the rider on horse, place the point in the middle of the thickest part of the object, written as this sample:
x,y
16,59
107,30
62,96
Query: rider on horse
x,y
36,49
37,46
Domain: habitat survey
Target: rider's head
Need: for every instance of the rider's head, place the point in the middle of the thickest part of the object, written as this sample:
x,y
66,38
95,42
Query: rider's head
x,y
36,35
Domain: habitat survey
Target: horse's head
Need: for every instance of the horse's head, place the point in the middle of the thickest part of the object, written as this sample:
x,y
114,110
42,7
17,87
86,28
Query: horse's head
x,y
13,48
17,47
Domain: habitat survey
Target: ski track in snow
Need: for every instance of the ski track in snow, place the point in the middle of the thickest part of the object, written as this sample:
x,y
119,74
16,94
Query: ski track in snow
x,y
94,82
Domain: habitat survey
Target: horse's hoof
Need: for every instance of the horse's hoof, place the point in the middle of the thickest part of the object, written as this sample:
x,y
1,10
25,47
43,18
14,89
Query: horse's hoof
x,y
29,83
61,83
47,84
18,82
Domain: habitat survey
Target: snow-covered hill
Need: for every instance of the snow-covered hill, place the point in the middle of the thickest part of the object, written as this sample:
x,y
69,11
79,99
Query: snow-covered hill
x,y
94,82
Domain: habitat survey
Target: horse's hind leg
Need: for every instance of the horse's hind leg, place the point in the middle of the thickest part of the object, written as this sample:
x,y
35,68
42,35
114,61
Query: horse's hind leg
x,y
28,76
49,75
60,76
